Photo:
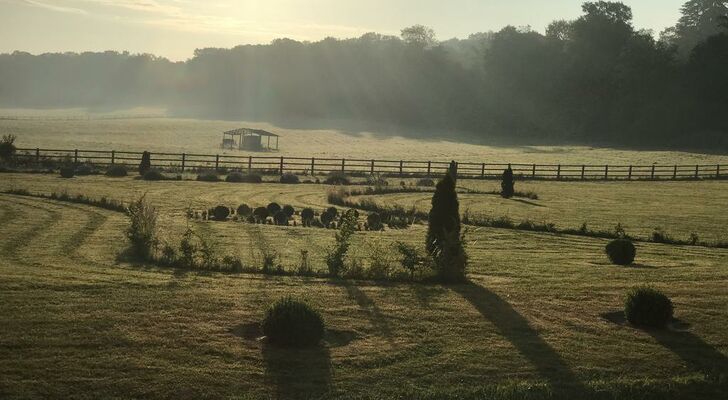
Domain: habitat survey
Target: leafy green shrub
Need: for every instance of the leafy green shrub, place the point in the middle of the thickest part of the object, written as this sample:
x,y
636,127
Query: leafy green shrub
x,y
208,177
273,208
380,262
7,147
660,236
307,216
426,182
145,165
221,213
335,257
410,258
374,222
117,171
260,214
507,183
244,210
153,175
648,307
337,178
68,172
289,210
142,230
621,251
237,177
293,323
290,178
280,218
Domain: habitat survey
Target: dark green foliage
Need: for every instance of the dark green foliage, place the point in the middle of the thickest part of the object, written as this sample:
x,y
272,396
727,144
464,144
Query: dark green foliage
x,y
85,169
146,163
7,147
221,213
244,210
289,210
374,222
280,218
273,208
621,251
410,259
337,178
444,241
293,323
261,214
507,183
238,177
326,218
333,211
648,307
117,171
208,177
336,256
307,216
68,172
153,175
290,178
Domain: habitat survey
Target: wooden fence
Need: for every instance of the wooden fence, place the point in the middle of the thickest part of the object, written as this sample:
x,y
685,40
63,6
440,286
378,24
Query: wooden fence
x,y
182,162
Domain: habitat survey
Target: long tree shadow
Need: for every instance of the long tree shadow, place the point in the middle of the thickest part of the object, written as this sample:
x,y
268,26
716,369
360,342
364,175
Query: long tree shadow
x,y
298,373
375,315
515,328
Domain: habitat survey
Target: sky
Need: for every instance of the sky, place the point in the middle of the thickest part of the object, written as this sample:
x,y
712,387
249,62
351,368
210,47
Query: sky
x,y
175,28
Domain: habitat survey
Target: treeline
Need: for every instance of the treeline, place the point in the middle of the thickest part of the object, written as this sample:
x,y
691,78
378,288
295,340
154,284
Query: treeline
x,y
596,80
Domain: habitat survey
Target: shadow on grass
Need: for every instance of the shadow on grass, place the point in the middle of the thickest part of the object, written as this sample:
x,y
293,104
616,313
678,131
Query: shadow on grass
x,y
530,203
375,315
515,328
694,351
298,373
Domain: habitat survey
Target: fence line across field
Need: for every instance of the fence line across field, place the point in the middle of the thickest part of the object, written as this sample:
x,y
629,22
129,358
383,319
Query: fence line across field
x,y
313,165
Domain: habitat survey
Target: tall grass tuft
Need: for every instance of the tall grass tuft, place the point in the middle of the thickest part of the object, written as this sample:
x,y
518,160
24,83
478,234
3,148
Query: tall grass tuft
x,y
142,230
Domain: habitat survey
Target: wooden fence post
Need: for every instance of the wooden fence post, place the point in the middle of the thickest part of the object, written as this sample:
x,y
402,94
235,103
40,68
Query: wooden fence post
x,y
217,162
281,165
401,164
250,164
112,157
75,156
606,172
37,155
343,163
184,157
583,167
717,171
533,171
482,171
674,172
652,174
558,172
429,168
697,169
629,174
313,165
371,168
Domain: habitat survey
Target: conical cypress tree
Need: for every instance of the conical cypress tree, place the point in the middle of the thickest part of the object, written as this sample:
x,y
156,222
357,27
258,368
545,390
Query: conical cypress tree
x,y
443,234
507,183
146,163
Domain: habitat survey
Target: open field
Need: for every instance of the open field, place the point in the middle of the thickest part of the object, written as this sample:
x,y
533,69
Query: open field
x,y
75,321
50,130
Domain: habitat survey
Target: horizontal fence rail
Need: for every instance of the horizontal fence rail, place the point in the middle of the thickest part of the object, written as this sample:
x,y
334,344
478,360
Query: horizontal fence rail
x,y
190,162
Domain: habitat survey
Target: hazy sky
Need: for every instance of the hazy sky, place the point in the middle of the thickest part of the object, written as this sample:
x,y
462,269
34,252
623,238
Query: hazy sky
x,y
174,28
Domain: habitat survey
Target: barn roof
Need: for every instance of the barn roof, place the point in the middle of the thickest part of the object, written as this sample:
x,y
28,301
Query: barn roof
x,y
250,131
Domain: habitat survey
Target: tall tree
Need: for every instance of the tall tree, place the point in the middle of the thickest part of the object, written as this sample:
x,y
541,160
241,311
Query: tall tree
x,y
700,19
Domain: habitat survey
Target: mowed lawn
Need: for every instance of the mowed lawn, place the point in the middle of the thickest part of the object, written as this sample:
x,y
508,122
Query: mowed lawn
x,y
539,319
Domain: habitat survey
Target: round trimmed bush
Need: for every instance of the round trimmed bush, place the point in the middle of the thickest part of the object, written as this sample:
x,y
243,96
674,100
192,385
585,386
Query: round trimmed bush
x,y
273,208
153,175
238,177
326,218
289,178
646,306
621,251
85,169
260,214
280,218
117,171
374,222
221,213
244,210
68,172
208,177
307,216
289,210
333,211
293,323
337,178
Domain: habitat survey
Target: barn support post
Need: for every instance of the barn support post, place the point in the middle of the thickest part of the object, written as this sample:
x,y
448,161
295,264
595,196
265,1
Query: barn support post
x,y
313,165
697,171
184,156
583,168
281,165
674,172
629,174
606,172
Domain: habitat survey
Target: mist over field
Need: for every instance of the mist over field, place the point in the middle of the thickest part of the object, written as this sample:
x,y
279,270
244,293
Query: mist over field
x,y
597,79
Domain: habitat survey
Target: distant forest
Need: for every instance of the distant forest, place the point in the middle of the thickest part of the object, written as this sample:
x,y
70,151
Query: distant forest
x,y
593,80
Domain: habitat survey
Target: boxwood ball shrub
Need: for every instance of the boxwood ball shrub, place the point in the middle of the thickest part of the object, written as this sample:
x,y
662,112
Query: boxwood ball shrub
x,y
208,177
117,171
260,214
293,323
238,177
221,213
621,251
648,307
153,175
337,178
307,216
67,172
85,169
289,178
289,210
244,210
280,218
273,208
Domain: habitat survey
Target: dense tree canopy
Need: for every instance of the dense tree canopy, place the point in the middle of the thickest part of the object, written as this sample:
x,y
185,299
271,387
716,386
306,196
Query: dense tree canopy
x,y
596,80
